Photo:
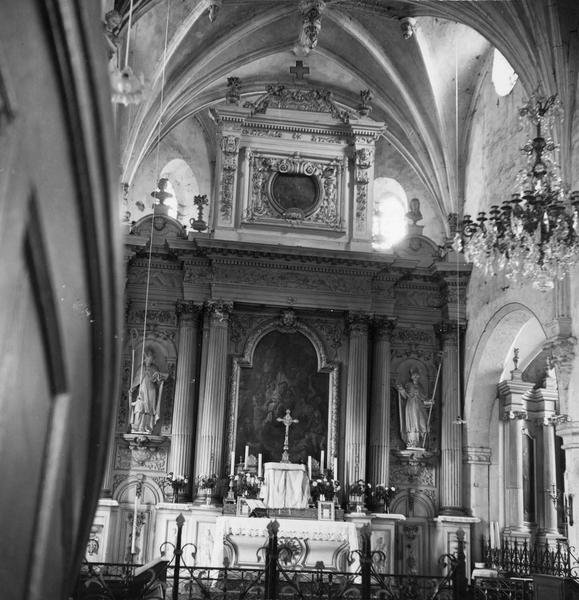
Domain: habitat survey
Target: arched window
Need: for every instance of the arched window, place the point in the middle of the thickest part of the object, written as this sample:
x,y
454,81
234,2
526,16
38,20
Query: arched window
x,y
503,75
390,207
183,184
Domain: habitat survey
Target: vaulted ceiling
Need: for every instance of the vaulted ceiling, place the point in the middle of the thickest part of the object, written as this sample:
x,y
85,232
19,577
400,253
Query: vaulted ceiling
x,y
423,87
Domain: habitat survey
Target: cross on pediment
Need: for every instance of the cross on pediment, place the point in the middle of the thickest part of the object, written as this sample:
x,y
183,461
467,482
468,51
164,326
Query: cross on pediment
x,y
299,70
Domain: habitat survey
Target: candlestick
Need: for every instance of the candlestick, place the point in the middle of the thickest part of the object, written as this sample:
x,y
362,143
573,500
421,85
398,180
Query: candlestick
x,y
232,471
134,533
310,467
246,456
259,464
322,461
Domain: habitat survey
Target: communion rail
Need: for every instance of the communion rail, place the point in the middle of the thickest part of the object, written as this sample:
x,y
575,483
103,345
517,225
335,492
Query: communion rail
x,y
279,579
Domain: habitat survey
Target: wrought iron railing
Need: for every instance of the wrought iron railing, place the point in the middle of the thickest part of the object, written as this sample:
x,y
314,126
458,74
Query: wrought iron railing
x,y
519,559
278,579
501,589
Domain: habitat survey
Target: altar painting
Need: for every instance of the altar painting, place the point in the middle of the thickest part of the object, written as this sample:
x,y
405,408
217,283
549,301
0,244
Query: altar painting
x,y
284,375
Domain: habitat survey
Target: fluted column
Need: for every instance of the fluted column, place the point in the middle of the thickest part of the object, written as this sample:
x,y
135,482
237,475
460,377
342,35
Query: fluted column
x,y
184,404
379,455
211,419
451,426
514,498
356,400
568,430
549,478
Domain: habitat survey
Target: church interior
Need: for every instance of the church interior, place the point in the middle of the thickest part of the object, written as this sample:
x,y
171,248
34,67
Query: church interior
x,y
303,260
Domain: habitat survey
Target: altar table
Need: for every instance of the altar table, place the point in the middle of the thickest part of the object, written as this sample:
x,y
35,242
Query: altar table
x,y
285,485
311,541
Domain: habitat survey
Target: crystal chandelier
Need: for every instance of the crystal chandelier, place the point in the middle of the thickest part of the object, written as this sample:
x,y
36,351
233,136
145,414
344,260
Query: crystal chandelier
x,y
534,236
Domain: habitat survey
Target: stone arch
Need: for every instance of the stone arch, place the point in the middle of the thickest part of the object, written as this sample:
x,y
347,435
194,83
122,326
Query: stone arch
x,y
415,503
151,493
492,360
286,323
514,325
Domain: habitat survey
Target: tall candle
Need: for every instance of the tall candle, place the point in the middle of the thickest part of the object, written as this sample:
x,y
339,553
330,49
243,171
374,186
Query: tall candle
x,y
259,464
246,456
335,467
492,535
497,534
310,467
322,461
134,536
232,472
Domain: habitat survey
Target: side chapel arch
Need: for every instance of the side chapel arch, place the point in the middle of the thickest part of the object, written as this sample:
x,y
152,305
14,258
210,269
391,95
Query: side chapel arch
x,y
288,323
491,358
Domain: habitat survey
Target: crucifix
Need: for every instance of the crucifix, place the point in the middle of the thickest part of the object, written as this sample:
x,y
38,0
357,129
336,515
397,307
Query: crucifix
x,y
287,421
299,70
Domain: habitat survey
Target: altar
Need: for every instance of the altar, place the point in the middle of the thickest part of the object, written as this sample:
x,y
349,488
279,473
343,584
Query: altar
x,y
285,485
310,541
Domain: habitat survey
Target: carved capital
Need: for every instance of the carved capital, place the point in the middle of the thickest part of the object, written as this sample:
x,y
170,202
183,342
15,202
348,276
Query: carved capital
x,y
219,310
357,324
449,331
515,415
187,310
383,327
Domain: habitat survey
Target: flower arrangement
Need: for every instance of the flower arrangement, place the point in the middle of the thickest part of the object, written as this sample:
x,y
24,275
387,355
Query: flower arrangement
x,y
384,493
324,485
247,485
360,488
177,482
207,482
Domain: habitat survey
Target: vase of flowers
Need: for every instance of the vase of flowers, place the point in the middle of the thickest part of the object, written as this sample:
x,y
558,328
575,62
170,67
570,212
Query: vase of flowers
x,y
247,485
357,493
384,495
177,483
324,487
206,485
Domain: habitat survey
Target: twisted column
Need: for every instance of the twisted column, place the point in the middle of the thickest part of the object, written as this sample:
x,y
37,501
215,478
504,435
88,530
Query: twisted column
x,y
379,456
356,400
184,403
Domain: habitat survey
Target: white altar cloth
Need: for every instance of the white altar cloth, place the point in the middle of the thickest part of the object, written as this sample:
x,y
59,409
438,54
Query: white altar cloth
x,y
319,541
285,485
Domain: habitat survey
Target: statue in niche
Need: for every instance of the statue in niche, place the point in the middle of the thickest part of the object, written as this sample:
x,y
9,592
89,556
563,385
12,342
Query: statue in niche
x,y
413,404
146,395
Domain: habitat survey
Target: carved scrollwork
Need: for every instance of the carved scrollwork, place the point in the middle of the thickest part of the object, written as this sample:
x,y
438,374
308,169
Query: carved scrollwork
x,y
304,99
319,196
363,159
230,150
